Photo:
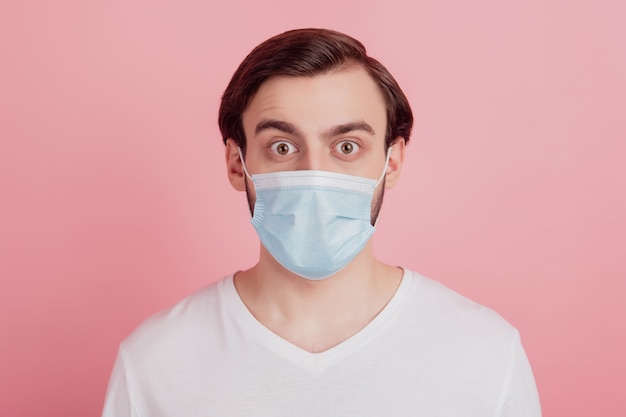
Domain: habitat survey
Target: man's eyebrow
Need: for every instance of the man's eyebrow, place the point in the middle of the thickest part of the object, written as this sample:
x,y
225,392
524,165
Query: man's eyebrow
x,y
347,128
290,129
277,125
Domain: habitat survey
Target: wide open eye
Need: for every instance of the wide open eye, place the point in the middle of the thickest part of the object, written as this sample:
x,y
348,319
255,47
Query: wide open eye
x,y
282,148
347,147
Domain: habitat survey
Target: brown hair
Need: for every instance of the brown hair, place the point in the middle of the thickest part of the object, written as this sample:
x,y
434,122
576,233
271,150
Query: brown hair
x,y
306,53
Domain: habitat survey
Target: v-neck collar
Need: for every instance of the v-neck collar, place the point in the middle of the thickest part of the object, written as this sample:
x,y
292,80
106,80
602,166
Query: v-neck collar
x,y
313,362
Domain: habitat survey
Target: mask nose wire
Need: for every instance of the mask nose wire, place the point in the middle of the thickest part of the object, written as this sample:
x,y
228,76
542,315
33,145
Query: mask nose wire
x,y
243,164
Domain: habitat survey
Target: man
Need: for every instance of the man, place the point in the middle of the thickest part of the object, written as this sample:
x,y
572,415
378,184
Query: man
x,y
315,131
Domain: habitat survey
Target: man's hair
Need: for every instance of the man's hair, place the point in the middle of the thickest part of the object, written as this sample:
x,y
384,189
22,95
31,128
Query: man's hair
x,y
306,53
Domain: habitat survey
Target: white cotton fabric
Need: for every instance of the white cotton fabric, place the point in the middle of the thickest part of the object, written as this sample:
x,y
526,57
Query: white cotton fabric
x,y
430,352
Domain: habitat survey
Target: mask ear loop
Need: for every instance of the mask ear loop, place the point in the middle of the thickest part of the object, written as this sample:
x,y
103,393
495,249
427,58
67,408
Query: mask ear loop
x,y
243,164
385,169
381,178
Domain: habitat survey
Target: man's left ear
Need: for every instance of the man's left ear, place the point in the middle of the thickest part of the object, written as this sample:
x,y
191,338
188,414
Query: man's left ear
x,y
396,159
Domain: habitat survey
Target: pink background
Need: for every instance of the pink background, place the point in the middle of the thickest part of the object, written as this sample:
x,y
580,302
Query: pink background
x,y
114,201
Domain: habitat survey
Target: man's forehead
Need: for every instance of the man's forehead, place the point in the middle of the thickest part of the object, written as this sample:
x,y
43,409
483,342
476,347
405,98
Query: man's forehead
x,y
347,71
351,87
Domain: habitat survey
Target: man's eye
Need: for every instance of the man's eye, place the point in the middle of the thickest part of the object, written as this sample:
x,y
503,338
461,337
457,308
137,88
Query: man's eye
x,y
283,148
347,147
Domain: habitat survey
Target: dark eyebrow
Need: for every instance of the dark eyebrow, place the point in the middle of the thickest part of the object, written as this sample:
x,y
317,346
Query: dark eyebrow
x,y
290,129
347,128
277,125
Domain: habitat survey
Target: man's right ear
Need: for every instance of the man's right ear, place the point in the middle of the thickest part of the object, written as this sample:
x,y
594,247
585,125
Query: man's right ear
x,y
234,166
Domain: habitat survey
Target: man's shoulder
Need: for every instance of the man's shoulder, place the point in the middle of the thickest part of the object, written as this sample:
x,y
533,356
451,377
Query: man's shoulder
x,y
191,317
441,307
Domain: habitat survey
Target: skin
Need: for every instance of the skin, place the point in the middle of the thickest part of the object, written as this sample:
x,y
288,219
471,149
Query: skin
x,y
332,122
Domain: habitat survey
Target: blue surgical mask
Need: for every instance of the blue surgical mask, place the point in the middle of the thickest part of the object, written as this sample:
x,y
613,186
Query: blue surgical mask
x,y
313,222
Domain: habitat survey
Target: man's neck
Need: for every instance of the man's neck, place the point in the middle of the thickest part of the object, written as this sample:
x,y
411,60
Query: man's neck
x,y
317,315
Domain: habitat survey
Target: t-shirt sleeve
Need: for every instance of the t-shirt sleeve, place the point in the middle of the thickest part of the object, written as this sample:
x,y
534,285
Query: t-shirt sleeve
x,y
118,402
519,397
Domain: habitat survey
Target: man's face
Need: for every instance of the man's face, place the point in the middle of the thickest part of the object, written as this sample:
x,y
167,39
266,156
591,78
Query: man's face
x,y
331,122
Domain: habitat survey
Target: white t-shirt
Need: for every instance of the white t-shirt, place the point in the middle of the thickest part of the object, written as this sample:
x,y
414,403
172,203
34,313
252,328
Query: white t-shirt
x,y
429,352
